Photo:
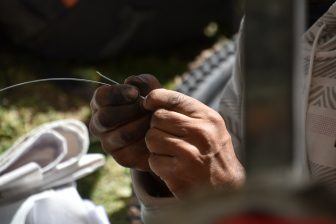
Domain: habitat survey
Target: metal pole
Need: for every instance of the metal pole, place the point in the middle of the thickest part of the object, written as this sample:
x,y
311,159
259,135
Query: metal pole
x,y
270,49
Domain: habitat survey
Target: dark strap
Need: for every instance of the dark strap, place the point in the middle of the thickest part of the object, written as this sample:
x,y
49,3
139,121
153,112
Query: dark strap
x,y
316,9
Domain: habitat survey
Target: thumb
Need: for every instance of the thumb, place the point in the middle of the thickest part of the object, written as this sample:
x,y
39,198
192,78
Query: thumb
x,y
145,83
174,101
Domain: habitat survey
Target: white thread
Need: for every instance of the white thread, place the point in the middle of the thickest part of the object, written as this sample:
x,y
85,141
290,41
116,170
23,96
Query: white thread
x,y
53,79
65,79
107,78
312,60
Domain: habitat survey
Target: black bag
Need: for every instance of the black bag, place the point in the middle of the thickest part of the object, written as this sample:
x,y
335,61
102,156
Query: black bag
x,y
87,29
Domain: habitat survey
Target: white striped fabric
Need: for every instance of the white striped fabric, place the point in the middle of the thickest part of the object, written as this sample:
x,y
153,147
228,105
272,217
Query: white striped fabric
x,y
321,114
319,81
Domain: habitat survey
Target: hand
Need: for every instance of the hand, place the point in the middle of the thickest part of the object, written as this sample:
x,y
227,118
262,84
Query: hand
x,y
120,122
189,144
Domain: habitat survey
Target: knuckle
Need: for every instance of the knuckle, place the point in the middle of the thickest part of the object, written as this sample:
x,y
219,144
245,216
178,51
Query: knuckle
x,y
184,130
93,104
176,144
215,118
150,136
99,96
175,99
198,129
153,96
123,161
152,159
207,136
99,118
159,114
106,145
128,93
95,127
154,164
127,136
115,95
102,117
149,77
92,129
152,81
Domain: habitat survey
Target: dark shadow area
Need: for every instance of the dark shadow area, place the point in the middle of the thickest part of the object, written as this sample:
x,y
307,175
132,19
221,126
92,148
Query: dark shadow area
x,y
120,217
86,185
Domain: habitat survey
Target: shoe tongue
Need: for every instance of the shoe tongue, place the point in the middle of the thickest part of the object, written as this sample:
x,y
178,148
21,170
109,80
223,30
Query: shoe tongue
x,y
46,150
74,142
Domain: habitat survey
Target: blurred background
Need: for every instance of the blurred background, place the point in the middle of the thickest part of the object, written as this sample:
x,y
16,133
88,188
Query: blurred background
x,y
74,38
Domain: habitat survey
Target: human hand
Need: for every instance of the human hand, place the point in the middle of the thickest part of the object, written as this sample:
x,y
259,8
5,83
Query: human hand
x,y
189,144
120,122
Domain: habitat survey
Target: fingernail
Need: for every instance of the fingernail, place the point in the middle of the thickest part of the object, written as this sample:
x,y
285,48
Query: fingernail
x,y
129,78
131,93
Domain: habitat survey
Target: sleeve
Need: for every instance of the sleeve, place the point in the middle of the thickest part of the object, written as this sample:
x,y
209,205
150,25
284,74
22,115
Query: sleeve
x,y
232,101
151,206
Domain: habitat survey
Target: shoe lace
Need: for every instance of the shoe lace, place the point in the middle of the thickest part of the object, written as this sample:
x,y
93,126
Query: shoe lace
x,y
312,61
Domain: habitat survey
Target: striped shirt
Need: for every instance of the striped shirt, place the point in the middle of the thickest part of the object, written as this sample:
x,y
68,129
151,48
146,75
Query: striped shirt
x,y
316,90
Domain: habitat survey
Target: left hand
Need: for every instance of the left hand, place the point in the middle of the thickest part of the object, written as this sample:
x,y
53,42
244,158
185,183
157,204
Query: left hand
x,y
120,122
189,144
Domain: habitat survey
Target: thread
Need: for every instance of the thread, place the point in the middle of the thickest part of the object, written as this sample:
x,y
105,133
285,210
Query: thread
x,y
61,79
107,78
65,79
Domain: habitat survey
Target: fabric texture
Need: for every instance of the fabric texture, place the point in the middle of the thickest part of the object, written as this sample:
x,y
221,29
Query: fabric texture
x,y
320,64
64,206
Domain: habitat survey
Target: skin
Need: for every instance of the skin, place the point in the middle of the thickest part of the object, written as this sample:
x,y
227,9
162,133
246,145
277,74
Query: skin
x,y
175,138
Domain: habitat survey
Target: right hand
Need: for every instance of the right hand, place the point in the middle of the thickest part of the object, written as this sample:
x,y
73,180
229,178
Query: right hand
x,y
120,122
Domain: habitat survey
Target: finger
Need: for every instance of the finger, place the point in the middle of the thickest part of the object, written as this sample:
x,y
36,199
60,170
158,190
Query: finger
x,y
109,118
174,101
172,122
114,95
133,156
126,135
92,127
163,166
145,83
162,143
93,104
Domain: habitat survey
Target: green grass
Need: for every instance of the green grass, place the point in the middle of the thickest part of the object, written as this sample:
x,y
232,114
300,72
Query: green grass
x,y
110,186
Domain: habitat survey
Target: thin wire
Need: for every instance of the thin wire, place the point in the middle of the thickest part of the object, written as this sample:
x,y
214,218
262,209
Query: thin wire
x,y
53,79
107,78
114,82
65,79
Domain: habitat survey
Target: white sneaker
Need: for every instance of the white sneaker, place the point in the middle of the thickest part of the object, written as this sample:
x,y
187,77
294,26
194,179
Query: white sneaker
x,y
50,156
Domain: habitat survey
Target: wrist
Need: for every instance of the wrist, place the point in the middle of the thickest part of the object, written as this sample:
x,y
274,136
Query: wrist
x,y
229,172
